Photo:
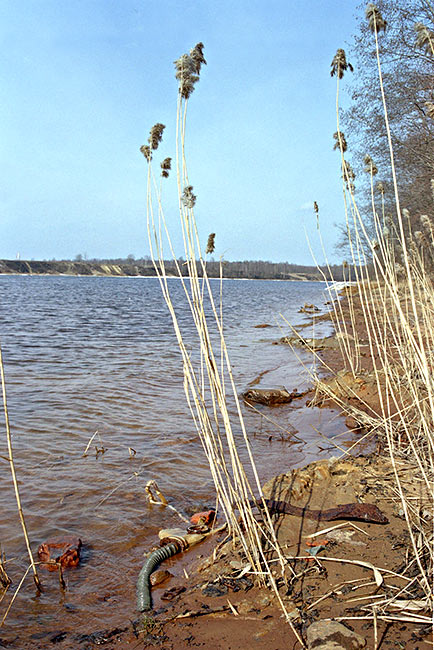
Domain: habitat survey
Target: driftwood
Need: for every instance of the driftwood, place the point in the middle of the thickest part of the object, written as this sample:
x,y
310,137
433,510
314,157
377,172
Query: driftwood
x,y
270,396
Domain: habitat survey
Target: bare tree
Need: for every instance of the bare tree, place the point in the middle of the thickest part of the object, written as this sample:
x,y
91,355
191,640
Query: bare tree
x,y
408,73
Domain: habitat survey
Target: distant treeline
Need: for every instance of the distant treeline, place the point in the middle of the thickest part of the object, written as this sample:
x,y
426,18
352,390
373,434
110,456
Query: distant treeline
x,y
248,269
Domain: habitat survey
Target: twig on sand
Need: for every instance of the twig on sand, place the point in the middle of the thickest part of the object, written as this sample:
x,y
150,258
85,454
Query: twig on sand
x,y
324,531
377,572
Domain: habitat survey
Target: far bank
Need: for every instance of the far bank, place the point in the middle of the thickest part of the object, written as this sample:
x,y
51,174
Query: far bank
x,y
249,269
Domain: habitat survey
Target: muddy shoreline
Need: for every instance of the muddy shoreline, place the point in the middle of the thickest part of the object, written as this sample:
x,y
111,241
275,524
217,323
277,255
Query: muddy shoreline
x,y
214,612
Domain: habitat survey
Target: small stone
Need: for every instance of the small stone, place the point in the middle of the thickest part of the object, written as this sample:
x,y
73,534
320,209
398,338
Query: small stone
x,y
330,635
171,593
263,601
237,564
159,576
244,607
344,537
351,423
215,590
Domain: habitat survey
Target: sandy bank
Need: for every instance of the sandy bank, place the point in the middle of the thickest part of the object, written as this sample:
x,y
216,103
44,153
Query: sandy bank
x,y
336,569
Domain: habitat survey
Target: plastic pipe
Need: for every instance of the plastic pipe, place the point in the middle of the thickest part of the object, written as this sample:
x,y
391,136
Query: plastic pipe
x,y
144,601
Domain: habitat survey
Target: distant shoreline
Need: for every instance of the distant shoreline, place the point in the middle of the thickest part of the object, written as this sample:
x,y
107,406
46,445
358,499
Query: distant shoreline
x,y
110,268
151,277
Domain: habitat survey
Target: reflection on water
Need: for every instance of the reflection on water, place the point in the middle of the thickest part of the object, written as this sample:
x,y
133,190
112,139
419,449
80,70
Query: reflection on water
x,y
86,355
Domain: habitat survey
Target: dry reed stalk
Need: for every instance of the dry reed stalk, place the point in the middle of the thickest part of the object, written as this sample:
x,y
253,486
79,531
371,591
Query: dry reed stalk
x,y
14,476
392,394
337,315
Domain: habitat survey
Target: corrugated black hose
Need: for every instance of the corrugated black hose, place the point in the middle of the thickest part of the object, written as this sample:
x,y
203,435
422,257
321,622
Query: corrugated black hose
x,y
144,601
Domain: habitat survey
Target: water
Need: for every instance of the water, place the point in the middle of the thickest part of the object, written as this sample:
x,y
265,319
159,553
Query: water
x,y
85,355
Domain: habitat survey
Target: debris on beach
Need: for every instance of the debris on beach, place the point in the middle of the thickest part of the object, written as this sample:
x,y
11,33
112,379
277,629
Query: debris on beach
x,y
313,344
60,551
159,576
308,309
331,634
270,396
201,521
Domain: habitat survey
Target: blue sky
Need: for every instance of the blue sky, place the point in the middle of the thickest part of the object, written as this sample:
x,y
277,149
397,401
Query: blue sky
x,y
84,81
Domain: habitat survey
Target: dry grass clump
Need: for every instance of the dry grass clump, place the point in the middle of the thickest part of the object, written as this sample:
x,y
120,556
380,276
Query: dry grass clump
x,y
208,380
395,294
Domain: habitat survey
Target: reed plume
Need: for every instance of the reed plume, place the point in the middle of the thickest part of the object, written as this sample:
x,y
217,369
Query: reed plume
x,y
146,151
430,109
156,135
375,20
341,142
424,38
187,69
425,221
340,64
166,166
188,198
370,166
197,56
348,175
210,245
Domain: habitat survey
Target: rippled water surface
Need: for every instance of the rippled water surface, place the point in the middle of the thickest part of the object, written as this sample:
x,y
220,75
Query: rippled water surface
x,y
85,355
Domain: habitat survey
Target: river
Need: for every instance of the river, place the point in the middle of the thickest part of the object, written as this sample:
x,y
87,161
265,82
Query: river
x,y
85,356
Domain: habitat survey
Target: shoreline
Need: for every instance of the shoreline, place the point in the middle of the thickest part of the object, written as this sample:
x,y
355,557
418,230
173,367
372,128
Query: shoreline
x,y
218,610
248,270
236,619
154,277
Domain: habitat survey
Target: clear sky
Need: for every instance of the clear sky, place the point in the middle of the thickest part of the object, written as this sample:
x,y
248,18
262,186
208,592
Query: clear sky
x,y
84,80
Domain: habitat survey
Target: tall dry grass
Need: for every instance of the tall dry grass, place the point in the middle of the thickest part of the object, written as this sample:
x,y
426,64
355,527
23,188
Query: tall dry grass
x,y
395,294
11,461
4,579
208,379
